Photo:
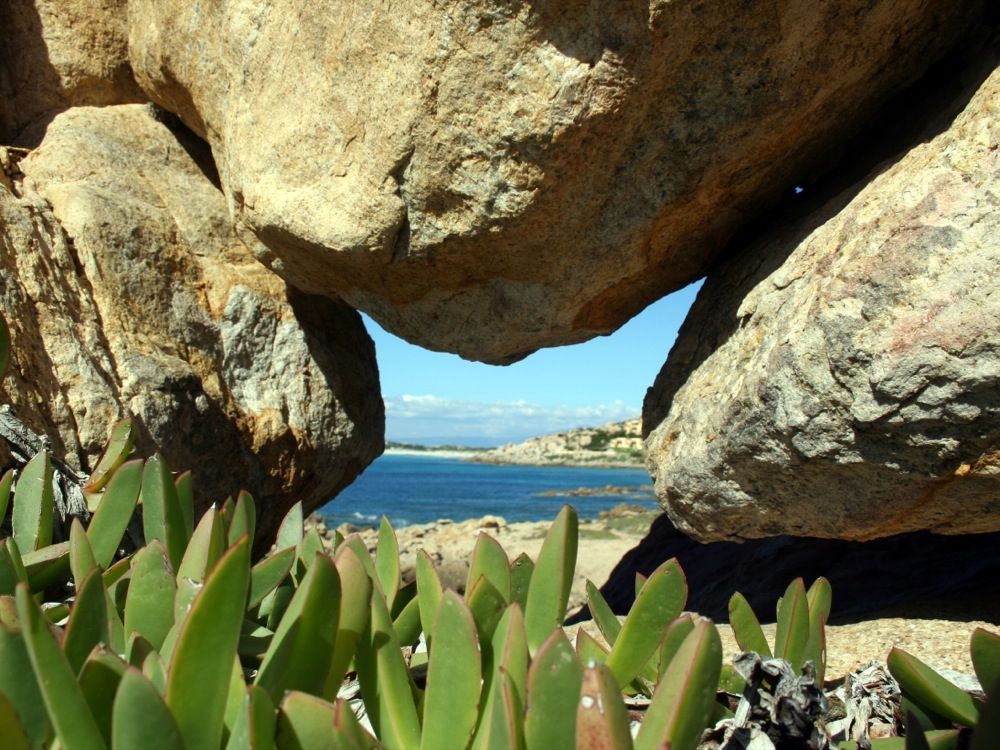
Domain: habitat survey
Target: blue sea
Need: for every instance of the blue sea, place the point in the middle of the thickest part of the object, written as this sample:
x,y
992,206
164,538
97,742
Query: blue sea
x,y
420,489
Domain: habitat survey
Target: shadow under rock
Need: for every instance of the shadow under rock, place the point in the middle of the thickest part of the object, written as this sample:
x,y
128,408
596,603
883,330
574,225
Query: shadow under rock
x,y
916,575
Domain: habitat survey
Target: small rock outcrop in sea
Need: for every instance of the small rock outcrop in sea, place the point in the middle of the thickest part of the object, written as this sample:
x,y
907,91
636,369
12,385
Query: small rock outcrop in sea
x,y
127,292
491,178
841,379
613,444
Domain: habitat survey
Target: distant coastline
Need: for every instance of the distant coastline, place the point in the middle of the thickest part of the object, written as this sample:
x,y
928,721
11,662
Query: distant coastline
x,y
612,446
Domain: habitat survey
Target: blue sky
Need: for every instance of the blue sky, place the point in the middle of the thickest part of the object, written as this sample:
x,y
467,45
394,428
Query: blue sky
x,y
433,398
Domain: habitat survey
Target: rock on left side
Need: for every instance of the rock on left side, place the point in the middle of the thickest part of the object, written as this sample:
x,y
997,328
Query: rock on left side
x,y
127,292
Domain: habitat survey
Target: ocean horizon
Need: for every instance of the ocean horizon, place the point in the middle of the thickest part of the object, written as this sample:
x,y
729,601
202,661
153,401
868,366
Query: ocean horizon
x,y
415,489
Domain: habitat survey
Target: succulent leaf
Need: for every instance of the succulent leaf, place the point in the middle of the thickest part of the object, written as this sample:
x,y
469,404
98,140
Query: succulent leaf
x,y
299,655
607,621
682,703
266,575
33,505
255,722
118,448
184,486
451,702
6,482
489,561
746,627
75,726
601,718
820,599
553,692
387,561
385,680
548,592
986,735
929,690
487,605
13,735
141,717
521,570
88,621
791,639
10,573
355,610
162,517
429,592
199,668
108,524
244,519
290,532
149,607
985,648
46,566
661,600
81,555
673,639
19,684
99,680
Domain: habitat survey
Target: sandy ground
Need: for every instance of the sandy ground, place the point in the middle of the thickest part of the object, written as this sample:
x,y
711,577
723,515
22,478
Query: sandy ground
x,y
944,644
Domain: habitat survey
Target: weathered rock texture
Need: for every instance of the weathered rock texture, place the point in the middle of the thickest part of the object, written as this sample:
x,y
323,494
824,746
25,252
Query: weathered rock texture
x,y
842,379
56,54
127,293
489,178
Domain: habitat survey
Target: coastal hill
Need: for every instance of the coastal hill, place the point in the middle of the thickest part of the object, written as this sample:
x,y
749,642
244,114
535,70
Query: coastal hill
x,y
613,444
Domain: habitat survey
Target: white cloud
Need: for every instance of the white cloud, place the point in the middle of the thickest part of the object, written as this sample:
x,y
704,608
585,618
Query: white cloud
x,y
433,419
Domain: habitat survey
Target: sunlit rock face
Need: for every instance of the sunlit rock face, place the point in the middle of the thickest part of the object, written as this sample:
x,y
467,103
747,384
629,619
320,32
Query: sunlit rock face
x,y
127,293
488,178
840,380
58,54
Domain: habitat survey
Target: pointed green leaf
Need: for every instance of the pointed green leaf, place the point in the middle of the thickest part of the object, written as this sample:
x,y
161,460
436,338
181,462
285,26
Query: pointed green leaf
x,y
310,546
13,735
199,668
553,691
244,518
746,627
18,683
305,722
115,452
357,544
588,649
46,566
451,703
407,623
928,689
81,556
10,574
820,599
149,608
682,704
162,517
640,581
291,530
99,679
6,481
348,734
501,728
673,639
142,718
429,592
268,573
487,605
985,648
607,621
490,561
355,610
551,581
74,724
385,681
207,544
184,486
33,505
508,652
791,638
299,655
255,725
661,600
521,571
114,512
987,732
601,718
88,621
387,561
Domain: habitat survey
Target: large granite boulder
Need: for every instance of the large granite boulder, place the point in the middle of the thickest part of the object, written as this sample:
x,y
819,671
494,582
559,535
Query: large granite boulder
x,y
489,178
841,379
57,54
127,292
